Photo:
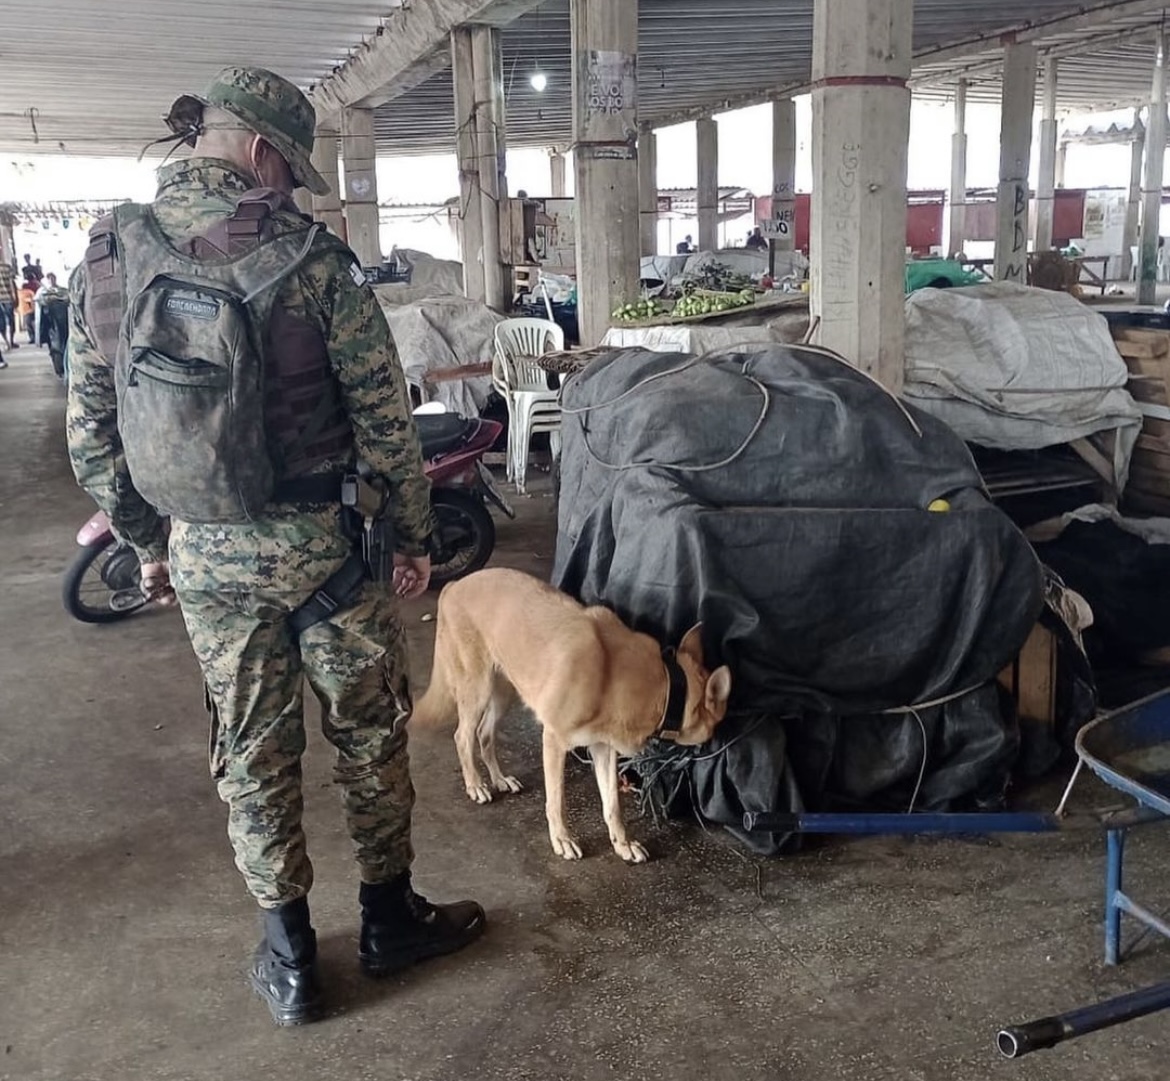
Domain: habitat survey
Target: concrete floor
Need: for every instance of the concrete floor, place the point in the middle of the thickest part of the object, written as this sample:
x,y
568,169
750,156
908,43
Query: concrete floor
x,y
124,928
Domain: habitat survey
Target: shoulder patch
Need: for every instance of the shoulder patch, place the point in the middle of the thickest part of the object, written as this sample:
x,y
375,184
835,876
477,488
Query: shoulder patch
x,y
355,272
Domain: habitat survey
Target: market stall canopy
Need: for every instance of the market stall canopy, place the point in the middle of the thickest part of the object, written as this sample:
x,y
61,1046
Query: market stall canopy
x,y
94,76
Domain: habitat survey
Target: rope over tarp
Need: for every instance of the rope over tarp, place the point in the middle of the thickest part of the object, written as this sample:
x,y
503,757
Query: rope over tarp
x,y
780,497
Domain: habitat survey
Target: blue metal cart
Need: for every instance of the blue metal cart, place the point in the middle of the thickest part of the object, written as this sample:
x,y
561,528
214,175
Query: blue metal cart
x,y
1130,750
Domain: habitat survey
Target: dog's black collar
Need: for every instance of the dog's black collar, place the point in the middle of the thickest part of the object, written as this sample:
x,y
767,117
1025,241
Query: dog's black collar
x,y
676,697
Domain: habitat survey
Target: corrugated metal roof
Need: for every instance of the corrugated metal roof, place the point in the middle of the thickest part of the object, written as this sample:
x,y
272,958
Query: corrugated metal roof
x,y
694,56
100,73
94,76
1099,69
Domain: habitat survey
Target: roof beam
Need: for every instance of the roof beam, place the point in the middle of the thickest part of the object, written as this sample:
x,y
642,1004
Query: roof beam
x,y
1093,15
1088,18
730,104
1082,47
412,44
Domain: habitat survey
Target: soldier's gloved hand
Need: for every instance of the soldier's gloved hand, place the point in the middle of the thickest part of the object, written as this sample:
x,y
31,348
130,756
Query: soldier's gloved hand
x,y
156,584
412,575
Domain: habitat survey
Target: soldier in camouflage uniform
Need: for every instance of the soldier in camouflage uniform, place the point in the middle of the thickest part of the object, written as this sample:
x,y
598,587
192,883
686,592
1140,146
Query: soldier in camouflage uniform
x,y
237,584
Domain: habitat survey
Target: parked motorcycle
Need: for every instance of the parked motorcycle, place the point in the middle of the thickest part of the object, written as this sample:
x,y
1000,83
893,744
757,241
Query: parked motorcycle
x,y
462,490
102,585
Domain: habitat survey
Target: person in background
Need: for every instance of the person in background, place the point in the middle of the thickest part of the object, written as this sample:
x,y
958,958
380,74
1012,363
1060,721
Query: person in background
x,y
756,241
686,246
8,302
26,306
53,329
32,271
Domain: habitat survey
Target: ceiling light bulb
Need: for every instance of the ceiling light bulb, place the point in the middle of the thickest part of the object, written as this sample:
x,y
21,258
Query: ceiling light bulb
x,y
539,81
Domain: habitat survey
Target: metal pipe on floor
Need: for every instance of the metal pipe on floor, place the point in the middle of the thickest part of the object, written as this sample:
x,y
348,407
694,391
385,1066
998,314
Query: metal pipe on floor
x,y
1019,1040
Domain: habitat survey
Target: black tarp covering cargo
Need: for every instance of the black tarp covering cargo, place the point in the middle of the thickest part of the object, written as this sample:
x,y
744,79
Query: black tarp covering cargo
x,y
780,497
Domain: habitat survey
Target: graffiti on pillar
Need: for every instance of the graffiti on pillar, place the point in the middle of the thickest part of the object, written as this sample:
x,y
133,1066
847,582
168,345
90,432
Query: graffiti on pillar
x,y
611,87
1016,267
839,258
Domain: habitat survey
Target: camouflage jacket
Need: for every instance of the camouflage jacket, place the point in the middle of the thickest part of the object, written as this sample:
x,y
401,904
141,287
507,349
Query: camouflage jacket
x,y
324,291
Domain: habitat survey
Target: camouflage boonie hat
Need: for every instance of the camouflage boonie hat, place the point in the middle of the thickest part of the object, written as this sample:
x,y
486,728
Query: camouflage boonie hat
x,y
270,106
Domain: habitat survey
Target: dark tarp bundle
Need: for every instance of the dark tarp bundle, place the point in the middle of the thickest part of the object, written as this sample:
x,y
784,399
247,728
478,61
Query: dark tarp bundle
x,y
1126,582
779,496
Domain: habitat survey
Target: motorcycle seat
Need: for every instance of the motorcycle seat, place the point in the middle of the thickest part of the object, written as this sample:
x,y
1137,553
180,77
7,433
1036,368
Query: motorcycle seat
x,y
443,432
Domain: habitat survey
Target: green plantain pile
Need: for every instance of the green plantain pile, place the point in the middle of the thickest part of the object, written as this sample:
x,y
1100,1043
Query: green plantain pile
x,y
642,310
698,304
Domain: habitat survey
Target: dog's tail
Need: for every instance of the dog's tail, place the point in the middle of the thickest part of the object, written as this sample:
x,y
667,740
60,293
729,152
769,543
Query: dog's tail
x,y
437,706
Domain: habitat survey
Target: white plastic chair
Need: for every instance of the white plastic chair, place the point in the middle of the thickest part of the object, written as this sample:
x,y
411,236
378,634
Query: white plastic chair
x,y
532,407
501,384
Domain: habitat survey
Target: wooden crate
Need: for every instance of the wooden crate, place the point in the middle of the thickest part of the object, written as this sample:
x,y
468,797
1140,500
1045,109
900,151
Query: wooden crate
x,y
1147,356
1031,678
1149,389
1134,343
1156,428
1145,502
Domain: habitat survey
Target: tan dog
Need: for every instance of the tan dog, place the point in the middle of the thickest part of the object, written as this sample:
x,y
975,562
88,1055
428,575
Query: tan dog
x,y
589,679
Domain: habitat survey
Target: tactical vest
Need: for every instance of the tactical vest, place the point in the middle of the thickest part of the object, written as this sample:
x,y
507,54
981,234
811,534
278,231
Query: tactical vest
x,y
304,419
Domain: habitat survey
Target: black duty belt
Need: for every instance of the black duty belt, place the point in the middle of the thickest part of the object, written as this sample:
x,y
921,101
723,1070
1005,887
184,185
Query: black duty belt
x,y
316,489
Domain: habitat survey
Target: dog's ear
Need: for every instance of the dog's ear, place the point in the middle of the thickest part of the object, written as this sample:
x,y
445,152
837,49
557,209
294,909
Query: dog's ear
x,y
718,691
692,644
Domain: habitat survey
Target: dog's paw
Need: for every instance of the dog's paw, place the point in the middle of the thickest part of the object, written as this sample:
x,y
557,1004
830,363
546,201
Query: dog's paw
x,y
479,793
509,784
631,851
565,847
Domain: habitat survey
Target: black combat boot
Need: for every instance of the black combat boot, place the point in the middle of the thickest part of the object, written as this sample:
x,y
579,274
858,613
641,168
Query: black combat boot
x,y
284,968
399,927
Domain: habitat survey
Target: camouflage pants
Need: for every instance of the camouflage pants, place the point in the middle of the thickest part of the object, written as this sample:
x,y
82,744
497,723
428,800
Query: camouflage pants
x,y
254,670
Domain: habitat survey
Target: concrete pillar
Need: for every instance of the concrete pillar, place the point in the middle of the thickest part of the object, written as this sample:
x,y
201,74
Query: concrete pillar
x,y
490,146
648,190
707,140
784,174
327,208
361,185
489,57
1015,154
1046,182
1152,187
605,132
470,214
861,130
556,163
1061,163
1133,207
957,199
